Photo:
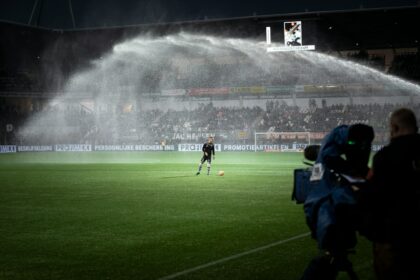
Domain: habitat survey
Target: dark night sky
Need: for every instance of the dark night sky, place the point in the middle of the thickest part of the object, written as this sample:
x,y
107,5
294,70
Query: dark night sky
x,y
98,13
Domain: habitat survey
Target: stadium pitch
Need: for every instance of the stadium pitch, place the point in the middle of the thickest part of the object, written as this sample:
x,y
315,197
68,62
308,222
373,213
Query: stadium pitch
x,y
105,215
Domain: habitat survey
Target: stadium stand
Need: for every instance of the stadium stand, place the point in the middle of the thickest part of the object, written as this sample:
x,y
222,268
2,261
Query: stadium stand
x,y
150,127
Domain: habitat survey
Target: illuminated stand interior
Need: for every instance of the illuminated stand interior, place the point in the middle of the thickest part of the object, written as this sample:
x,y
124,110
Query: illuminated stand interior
x,y
292,38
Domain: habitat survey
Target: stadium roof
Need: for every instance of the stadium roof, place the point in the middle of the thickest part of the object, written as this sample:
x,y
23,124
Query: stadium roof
x,y
79,14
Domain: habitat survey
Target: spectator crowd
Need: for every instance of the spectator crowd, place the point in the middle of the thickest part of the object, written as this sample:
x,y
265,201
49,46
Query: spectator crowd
x,y
75,124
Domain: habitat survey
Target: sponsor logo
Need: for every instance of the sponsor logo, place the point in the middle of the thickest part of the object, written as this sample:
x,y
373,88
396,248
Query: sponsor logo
x,y
7,149
73,148
134,148
35,148
196,147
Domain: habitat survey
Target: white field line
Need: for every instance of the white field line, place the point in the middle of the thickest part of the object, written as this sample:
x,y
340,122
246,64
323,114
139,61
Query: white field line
x,y
236,256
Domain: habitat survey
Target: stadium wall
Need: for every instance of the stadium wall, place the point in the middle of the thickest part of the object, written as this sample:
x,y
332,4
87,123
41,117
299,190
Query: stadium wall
x,y
189,147
192,104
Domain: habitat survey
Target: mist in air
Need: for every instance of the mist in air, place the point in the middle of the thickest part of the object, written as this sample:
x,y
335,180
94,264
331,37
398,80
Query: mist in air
x,y
122,96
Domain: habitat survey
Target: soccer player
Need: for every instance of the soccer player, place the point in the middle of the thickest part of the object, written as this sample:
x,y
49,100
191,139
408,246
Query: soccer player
x,y
208,149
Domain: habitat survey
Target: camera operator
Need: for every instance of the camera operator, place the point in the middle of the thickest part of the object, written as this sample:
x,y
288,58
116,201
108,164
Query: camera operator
x,y
391,201
330,206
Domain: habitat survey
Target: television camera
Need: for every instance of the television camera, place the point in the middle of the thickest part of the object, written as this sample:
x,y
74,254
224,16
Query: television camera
x,y
326,190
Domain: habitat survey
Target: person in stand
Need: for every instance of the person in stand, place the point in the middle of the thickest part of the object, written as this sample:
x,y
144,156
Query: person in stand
x,y
163,144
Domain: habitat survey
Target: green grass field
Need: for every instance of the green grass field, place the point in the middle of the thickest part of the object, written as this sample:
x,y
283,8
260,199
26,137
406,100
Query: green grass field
x,y
147,216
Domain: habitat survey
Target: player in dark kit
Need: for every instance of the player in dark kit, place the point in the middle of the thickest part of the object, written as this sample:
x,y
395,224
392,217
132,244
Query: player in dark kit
x,y
208,149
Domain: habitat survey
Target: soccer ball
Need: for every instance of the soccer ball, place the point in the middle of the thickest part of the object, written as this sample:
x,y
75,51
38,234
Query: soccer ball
x,y
221,173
